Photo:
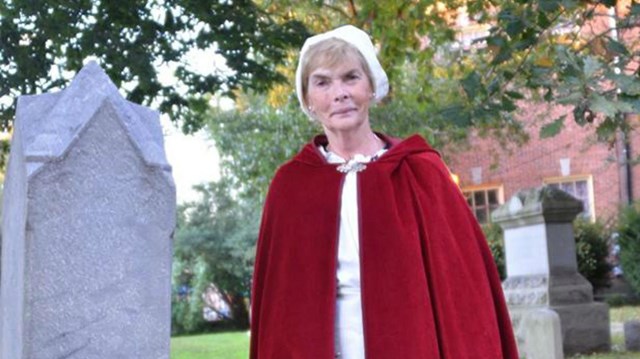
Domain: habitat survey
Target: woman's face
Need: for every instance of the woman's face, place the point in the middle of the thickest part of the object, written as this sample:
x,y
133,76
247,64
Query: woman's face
x,y
339,96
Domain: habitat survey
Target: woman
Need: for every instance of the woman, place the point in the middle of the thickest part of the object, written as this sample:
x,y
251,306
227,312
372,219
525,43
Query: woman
x,y
367,248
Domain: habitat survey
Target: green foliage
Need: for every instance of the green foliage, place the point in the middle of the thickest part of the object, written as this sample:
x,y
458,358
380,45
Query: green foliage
x,y
621,301
190,277
398,27
426,100
495,238
253,143
4,157
42,41
534,53
592,246
629,241
214,243
551,50
223,230
553,128
542,49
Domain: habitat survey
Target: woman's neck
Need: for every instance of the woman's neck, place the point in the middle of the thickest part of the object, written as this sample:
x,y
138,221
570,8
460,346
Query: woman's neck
x,y
347,145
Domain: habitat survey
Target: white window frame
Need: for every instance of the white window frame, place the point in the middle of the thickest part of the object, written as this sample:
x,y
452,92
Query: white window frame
x,y
483,188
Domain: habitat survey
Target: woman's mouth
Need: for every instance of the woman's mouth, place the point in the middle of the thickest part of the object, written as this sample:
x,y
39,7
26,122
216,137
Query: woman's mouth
x,y
343,111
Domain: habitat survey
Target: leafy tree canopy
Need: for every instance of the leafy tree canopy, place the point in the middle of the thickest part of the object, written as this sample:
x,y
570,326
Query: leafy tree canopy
x,y
583,54
220,228
43,43
575,53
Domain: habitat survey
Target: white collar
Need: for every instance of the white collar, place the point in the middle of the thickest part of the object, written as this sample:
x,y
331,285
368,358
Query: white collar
x,y
355,164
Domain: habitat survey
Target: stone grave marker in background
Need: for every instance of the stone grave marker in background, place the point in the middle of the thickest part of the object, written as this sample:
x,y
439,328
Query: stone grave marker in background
x,y
542,270
89,212
632,335
542,335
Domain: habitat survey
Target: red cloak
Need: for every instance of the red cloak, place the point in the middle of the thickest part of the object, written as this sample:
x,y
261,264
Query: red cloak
x,y
429,285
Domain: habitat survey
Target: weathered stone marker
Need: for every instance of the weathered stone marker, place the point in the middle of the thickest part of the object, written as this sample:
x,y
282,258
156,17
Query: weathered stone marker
x,y
542,270
632,335
543,336
89,211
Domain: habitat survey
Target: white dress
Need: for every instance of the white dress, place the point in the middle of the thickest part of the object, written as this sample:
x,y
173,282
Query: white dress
x,y
349,338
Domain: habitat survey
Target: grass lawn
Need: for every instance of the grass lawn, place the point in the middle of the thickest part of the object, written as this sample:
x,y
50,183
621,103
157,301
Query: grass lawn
x,y
625,313
235,345
230,345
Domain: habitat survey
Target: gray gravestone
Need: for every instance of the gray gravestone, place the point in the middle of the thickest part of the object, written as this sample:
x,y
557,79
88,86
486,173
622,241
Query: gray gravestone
x,y
89,211
542,270
632,335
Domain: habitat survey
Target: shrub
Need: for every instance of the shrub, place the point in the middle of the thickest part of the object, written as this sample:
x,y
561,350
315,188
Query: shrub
x,y
494,235
617,300
629,241
592,247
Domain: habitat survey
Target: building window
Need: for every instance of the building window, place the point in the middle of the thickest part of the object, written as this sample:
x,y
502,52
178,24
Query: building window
x,y
483,201
581,187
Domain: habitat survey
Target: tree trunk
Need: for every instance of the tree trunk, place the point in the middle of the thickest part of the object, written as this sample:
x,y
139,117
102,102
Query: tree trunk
x,y
239,311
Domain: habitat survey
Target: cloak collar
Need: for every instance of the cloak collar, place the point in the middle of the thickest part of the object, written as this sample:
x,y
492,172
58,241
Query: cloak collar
x,y
399,149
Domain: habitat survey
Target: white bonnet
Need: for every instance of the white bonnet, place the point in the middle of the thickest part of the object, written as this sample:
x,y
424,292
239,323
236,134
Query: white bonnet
x,y
361,41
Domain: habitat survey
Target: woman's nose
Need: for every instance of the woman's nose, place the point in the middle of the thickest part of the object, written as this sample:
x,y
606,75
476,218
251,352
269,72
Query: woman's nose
x,y
341,93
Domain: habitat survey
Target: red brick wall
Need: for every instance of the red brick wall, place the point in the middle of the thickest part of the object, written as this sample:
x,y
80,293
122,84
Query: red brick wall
x,y
528,165
635,155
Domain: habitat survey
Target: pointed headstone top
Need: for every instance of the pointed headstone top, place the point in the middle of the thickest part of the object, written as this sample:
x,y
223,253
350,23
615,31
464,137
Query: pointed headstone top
x,y
50,123
543,203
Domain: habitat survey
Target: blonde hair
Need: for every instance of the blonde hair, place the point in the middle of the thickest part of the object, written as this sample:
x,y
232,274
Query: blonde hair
x,y
330,53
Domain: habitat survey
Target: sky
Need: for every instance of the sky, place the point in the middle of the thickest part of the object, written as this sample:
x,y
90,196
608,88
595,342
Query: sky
x,y
193,158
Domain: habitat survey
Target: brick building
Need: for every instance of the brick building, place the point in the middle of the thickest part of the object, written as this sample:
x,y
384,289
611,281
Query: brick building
x,y
573,160
597,173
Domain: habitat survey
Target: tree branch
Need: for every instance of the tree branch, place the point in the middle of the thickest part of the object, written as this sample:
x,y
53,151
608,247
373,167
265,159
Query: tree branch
x,y
338,10
352,7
